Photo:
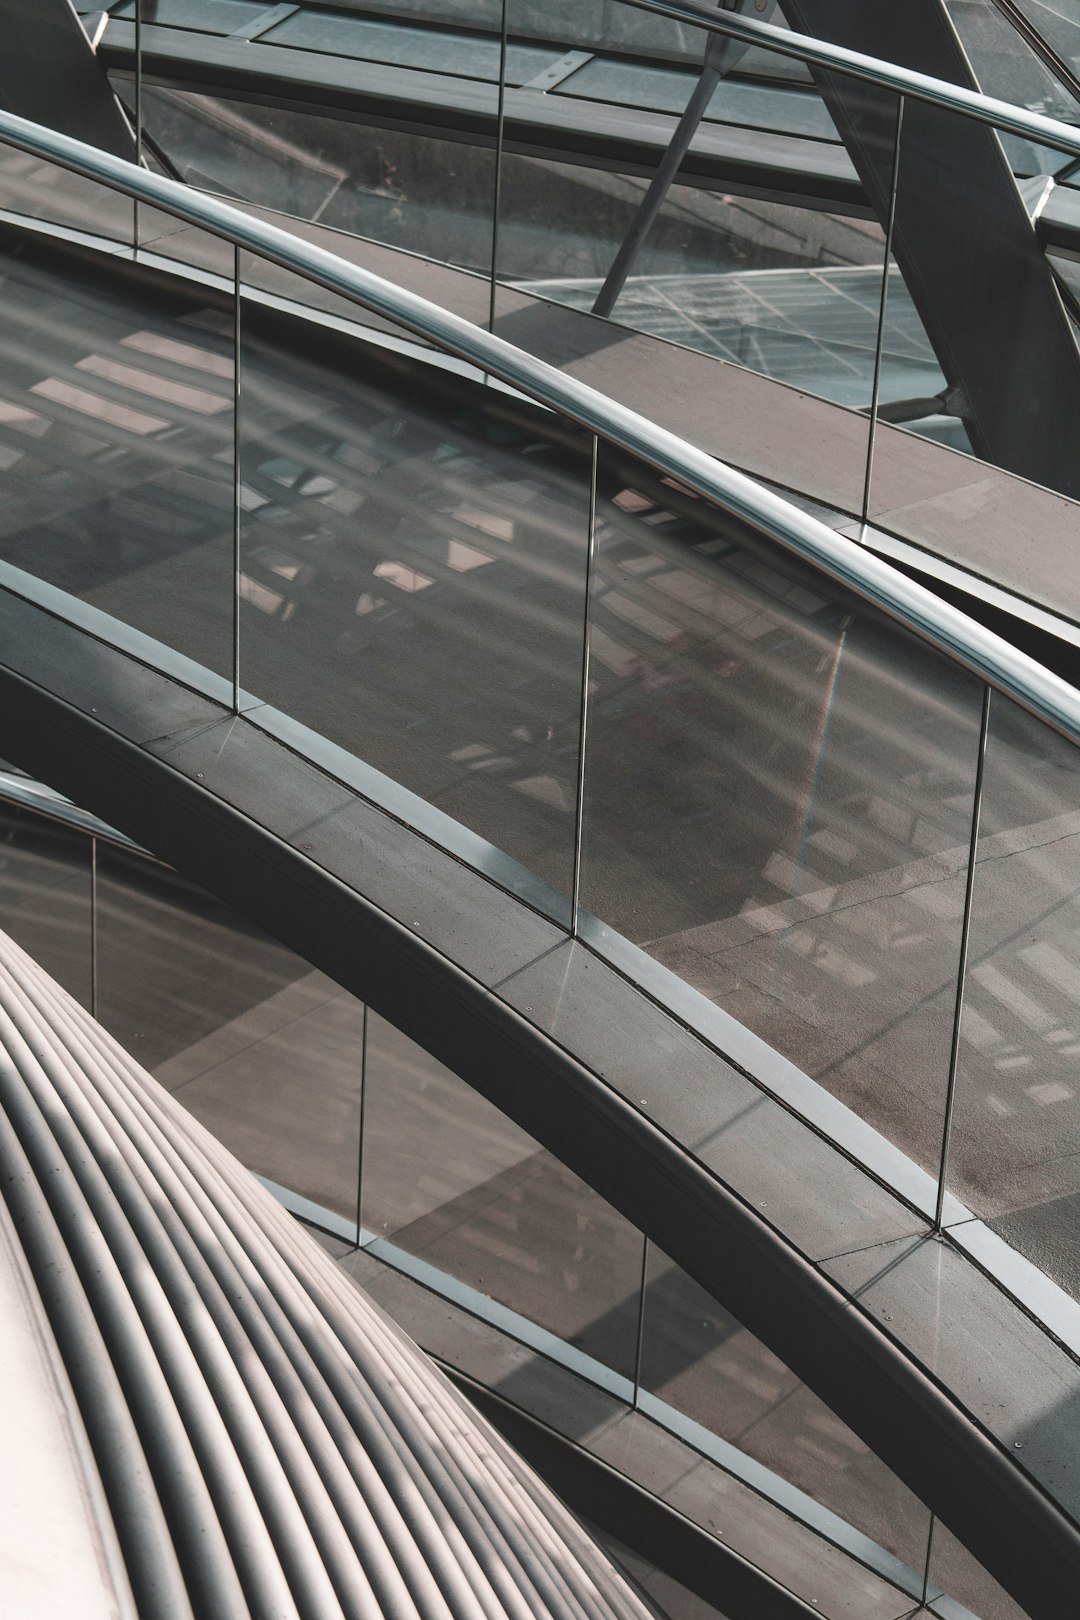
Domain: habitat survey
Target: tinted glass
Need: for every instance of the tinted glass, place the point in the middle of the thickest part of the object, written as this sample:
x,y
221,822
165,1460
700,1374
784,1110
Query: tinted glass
x,y
264,1051
779,787
116,444
45,894
701,1361
1016,1125
452,1181
412,576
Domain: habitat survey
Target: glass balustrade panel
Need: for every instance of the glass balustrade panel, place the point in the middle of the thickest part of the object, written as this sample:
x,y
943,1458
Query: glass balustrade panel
x,y
977,465
45,893
60,203
740,1405
264,1051
452,1183
778,798
116,449
368,188
412,575
1014,1154
700,255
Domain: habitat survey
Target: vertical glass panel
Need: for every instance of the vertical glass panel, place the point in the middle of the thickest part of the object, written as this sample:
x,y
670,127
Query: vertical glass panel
x,y
454,1183
34,189
116,445
779,787
413,549
45,893
1014,1155
699,1360
1002,395
411,191
264,1051
786,291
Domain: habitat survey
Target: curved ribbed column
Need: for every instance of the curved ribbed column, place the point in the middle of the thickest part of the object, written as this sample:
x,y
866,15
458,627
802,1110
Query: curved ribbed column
x,y
269,1443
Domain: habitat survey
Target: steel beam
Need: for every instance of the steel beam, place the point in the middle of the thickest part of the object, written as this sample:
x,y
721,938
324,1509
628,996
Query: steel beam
x,y
964,241
49,72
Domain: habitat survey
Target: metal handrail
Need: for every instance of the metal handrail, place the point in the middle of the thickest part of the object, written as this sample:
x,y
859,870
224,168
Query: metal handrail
x,y
904,81
952,632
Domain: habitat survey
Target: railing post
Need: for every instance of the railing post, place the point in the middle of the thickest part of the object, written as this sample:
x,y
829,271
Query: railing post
x,y
961,973
579,805
875,393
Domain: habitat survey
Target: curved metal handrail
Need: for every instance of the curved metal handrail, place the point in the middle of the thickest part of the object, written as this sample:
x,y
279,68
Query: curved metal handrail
x,y
952,632
1037,127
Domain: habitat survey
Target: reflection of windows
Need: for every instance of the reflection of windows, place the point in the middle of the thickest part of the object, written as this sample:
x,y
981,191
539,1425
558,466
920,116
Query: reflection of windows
x,y
182,354
406,579
183,395
102,410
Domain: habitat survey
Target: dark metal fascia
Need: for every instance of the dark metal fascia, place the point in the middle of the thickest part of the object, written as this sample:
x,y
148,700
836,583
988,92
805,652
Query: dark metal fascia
x,y
589,1486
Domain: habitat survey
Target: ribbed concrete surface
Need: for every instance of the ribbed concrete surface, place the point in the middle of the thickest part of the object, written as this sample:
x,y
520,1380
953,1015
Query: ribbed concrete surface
x,y
268,1443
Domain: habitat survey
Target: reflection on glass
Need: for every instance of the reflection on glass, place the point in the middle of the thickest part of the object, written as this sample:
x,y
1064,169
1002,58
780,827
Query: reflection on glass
x,y
452,1181
779,789
413,567
778,291
264,1051
788,292
116,433
1014,1154
984,293
1005,64
703,1362
667,1596
1059,26
792,293
427,196
45,894
39,190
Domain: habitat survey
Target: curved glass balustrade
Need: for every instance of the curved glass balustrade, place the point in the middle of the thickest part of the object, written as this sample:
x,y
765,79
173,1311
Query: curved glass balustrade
x,y
624,700
764,246
395,1160
752,767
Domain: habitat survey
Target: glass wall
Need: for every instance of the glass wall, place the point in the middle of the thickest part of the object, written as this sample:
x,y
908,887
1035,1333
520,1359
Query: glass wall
x,y
450,1181
243,1032
747,201
699,1360
981,284
237,1027
411,191
709,751
46,879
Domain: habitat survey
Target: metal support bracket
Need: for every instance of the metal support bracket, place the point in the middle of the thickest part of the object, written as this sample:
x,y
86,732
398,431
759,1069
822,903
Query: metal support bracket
x,y
721,55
